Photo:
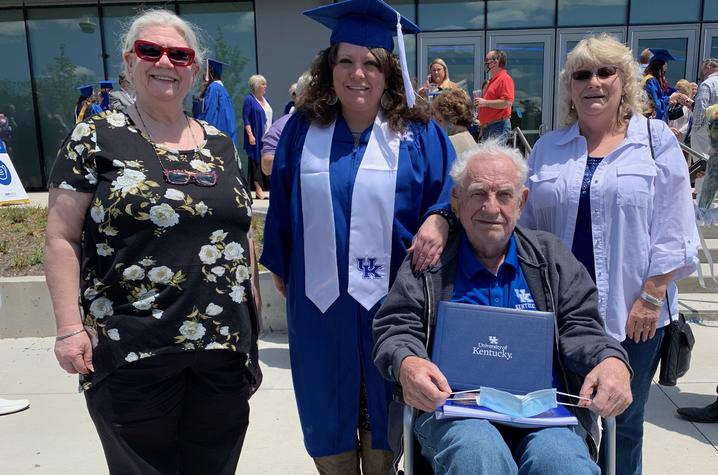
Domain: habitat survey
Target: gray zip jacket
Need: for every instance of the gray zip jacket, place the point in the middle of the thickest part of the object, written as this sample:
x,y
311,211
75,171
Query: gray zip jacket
x,y
558,283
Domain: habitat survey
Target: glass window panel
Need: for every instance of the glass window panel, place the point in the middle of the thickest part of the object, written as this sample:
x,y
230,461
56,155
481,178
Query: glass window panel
x,y
592,12
665,11
678,47
450,15
114,20
228,34
519,13
66,53
710,10
713,53
16,99
407,9
526,67
460,61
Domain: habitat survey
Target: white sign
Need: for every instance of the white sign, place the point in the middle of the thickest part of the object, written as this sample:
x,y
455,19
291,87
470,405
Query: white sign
x,y
11,190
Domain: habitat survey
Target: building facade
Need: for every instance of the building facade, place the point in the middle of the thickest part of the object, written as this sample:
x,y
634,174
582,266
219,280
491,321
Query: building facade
x,y
50,47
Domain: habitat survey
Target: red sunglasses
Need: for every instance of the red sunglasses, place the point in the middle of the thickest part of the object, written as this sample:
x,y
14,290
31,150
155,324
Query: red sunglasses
x,y
149,51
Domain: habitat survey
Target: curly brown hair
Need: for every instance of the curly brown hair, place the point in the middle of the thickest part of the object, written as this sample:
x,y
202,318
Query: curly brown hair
x,y
320,105
454,107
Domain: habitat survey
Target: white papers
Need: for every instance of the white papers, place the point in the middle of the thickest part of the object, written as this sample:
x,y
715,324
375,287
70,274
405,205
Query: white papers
x,y
559,416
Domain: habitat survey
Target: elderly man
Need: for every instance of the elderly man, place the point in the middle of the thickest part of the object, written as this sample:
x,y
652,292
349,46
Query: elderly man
x,y
706,96
489,262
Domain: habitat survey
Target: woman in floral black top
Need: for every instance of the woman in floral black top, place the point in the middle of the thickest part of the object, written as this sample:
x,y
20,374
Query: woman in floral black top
x,y
148,224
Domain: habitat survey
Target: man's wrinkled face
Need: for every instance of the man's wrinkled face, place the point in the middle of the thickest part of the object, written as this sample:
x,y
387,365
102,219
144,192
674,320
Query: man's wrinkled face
x,y
490,200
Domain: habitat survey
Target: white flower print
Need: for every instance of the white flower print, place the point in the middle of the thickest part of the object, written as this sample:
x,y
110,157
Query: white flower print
x,y
147,262
242,274
134,272
72,155
113,334
217,270
175,195
66,186
209,254
224,331
217,236
131,357
104,250
213,310
116,119
199,165
192,330
79,149
233,251
145,355
101,307
201,208
90,293
97,213
118,163
81,130
133,164
128,181
237,293
157,313
110,231
163,215
160,275
145,301
216,346
206,152
211,129
91,178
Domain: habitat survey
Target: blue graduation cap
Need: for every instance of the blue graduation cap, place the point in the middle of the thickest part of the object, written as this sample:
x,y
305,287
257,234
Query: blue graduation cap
x,y
370,23
215,66
661,54
86,90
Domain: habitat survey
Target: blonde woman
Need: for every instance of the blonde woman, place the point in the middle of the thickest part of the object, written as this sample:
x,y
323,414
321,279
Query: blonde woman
x,y
257,117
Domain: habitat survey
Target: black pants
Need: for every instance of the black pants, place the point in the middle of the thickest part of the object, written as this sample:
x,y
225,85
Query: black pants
x,y
182,413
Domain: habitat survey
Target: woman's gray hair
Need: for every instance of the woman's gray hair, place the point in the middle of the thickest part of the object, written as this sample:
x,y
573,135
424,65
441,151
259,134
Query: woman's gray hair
x,y
255,81
603,50
490,148
302,83
160,17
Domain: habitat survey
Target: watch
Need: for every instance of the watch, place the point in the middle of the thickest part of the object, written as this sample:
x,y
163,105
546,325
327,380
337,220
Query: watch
x,y
646,297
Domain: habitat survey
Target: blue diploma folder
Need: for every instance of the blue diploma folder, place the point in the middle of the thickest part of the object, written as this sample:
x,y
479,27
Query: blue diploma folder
x,y
504,348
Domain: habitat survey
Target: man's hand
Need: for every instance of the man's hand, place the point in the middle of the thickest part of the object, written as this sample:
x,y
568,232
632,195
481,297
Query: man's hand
x,y
424,386
479,102
642,320
429,242
280,285
609,385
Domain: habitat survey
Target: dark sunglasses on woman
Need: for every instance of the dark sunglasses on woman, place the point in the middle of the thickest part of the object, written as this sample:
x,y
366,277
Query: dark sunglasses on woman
x,y
604,72
149,51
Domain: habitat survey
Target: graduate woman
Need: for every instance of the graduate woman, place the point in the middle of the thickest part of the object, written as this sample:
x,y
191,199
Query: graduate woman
x,y
359,175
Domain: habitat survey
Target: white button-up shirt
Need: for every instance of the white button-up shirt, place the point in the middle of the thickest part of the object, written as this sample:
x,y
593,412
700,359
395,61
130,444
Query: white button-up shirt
x,y
642,217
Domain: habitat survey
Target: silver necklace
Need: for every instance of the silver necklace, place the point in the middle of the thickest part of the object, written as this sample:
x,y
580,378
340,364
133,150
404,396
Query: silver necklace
x,y
154,144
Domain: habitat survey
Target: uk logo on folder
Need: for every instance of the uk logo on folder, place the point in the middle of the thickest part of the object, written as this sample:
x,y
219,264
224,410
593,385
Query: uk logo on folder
x,y
503,348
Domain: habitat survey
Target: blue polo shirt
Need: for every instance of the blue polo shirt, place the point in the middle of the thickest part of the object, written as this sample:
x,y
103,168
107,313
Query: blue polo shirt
x,y
476,284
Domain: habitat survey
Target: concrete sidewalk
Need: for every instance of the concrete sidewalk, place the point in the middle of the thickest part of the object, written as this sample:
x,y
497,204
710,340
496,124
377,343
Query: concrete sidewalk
x,y
55,436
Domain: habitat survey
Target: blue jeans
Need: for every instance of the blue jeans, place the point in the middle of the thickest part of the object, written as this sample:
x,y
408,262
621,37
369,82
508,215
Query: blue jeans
x,y
644,358
476,446
501,129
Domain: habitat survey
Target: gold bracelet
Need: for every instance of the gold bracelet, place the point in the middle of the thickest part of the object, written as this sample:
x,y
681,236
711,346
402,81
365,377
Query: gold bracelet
x,y
64,337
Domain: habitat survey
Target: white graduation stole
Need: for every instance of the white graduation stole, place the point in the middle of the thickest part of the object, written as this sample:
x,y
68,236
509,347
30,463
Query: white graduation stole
x,y
372,217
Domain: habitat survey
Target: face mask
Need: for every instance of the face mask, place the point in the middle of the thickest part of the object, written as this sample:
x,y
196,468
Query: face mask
x,y
529,405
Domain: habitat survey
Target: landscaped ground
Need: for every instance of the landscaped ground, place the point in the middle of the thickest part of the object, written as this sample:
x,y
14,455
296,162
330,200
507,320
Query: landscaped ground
x,y
22,239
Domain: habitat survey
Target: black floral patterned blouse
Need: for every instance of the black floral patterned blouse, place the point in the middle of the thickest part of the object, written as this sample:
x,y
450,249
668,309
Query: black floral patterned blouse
x,y
164,268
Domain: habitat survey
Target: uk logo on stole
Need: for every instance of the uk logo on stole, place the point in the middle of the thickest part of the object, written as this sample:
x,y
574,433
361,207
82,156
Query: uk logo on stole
x,y
369,268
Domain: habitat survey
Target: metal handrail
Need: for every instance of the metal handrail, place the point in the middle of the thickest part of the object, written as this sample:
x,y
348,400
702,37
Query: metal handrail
x,y
518,134
691,152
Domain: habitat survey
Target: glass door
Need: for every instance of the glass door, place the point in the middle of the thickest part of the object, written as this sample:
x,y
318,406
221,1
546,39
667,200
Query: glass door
x,y
463,53
568,38
709,45
530,64
680,40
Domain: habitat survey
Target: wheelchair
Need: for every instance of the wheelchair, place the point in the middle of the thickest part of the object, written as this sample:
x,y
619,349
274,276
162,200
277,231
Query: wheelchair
x,y
414,463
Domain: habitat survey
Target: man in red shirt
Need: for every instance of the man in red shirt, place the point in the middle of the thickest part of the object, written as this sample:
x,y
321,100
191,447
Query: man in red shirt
x,y
498,95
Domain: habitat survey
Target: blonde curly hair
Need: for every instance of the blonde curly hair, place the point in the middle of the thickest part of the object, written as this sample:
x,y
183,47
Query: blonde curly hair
x,y
603,50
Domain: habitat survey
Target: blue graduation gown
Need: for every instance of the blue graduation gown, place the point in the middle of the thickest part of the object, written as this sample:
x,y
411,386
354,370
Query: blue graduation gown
x,y
659,98
217,110
254,116
330,352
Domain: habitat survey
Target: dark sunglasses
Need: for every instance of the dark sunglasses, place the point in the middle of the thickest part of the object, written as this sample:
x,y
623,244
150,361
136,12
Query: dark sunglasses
x,y
604,72
183,177
149,51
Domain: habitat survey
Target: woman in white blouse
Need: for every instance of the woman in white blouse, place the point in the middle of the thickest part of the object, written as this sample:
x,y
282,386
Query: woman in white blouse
x,y
622,203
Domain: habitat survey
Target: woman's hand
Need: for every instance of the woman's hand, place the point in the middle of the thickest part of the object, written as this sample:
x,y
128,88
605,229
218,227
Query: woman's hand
x,y
252,140
74,353
642,320
279,284
429,242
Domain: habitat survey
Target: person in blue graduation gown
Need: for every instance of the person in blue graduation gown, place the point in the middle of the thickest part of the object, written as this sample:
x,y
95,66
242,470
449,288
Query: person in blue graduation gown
x,y
257,117
356,88
657,88
217,108
105,88
86,106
